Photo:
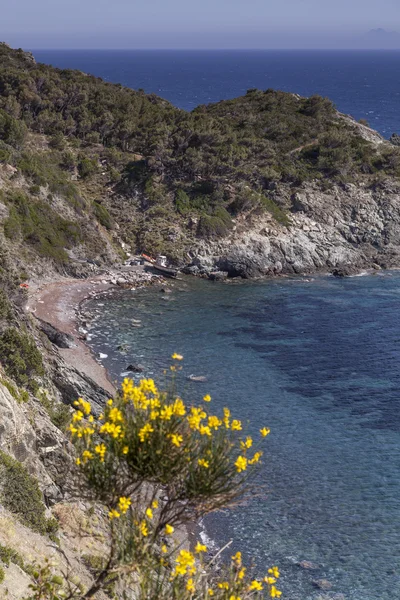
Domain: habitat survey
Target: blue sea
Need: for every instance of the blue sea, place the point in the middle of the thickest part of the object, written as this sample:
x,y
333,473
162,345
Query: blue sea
x,y
315,359
365,84
318,361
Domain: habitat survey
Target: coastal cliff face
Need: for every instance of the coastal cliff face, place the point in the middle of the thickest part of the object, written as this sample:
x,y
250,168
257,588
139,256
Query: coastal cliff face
x,y
349,228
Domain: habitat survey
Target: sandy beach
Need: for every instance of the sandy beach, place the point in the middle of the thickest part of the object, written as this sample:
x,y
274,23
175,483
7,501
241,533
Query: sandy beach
x,y
57,303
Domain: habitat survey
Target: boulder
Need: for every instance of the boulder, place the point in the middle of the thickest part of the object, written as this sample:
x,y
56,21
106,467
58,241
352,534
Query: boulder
x,y
56,337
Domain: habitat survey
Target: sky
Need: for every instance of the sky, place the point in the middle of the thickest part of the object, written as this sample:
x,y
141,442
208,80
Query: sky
x,y
198,23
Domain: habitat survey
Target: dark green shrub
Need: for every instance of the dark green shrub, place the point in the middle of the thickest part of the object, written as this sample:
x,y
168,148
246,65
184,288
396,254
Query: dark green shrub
x,y
59,413
182,202
12,131
20,494
2,574
5,306
102,215
19,356
9,555
86,166
41,227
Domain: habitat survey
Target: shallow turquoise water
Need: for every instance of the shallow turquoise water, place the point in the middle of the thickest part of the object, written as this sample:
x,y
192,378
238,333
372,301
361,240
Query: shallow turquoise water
x,y
318,361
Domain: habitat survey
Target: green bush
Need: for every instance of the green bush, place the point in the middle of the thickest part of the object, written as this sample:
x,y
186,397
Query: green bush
x,y
19,356
9,555
12,131
59,413
5,306
2,574
216,225
20,494
86,166
102,215
41,227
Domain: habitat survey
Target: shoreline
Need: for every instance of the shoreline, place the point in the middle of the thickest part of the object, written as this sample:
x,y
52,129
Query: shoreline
x,y
58,302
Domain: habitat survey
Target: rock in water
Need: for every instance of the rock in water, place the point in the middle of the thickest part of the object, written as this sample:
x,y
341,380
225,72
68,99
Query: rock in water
x,y
322,584
198,378
133,368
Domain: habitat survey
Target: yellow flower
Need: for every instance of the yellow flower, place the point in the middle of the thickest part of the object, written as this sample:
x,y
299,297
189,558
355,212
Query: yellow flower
x,y
274,571
115,415
274,593
78,461
234,597
241,464
236,425
145,431
123,504
164,549
227,414
166,413
154,504
223,585
255,585
190,586
86,455
84,405
144,529
200,548
247,443
214,422
185,562
101,450
255,458
270,580
265,431
77,416
237,558
169,529
176,356
242,573
176,439
203,463
125,450
114,514
207,398
210,592
179,408
110,402
205,430
149,513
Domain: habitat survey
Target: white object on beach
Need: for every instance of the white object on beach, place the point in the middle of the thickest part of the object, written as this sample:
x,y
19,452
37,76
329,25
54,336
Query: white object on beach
x,y
101,355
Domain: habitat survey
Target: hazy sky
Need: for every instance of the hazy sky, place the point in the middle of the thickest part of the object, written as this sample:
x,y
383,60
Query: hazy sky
x,y
192,23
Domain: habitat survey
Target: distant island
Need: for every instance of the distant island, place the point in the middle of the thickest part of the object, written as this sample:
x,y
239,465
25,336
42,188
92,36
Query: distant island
x,y
382,39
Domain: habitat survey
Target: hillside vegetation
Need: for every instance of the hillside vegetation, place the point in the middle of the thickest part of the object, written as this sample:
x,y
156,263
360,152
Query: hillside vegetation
x,y
167,177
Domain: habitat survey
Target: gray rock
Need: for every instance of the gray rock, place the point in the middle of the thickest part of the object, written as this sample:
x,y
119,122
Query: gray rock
x,y
135,368
218,275
198,378
57,337
308,565
322,584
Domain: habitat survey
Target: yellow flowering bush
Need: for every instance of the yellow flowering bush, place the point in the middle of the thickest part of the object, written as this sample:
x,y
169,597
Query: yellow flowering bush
x,y
151,464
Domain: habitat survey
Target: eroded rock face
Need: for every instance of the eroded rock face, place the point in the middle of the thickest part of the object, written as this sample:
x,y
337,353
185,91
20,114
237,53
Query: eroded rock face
x,y
347,228
18,438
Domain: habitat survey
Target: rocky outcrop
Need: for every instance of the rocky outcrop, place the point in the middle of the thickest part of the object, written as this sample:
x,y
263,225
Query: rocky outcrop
x,y
348,228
